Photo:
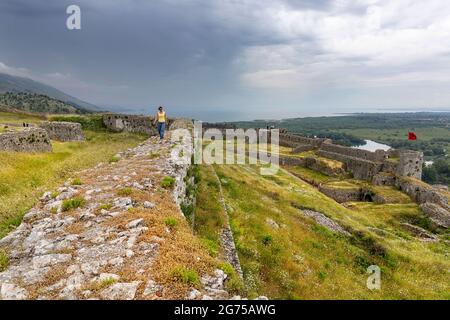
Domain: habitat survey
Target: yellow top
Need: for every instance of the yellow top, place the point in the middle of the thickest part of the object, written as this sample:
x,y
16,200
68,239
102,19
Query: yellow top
x,y
161,116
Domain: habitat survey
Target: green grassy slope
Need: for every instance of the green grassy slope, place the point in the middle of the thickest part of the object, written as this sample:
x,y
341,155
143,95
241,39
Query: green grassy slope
x,y
300,259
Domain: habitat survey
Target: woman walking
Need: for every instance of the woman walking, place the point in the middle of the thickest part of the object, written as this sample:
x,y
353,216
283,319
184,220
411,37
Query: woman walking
x,y
160,121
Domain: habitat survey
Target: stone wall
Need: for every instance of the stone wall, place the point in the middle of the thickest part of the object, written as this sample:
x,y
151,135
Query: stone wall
x,y
129,123
378,155
63,131
341,195
360,168
292,140
28,140
421,192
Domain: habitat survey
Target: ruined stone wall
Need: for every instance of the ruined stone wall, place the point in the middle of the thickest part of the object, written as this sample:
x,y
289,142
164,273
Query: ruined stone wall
x,y
378,155
421,192
360,168
292,140
342,195
63,131
130,123
290,161
28,140
302,148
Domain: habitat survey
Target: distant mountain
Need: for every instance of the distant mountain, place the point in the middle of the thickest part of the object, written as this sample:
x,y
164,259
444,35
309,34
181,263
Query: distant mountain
x,y
14,84
33,102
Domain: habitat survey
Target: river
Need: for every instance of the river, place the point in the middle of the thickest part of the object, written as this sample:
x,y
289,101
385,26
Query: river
x,y
372,146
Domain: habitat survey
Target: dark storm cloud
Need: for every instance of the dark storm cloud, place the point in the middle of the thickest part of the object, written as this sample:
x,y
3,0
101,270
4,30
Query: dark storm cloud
x,y
224,58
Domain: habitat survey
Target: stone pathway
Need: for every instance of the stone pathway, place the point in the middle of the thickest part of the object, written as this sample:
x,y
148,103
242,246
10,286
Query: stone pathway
x,y
226,235
92,239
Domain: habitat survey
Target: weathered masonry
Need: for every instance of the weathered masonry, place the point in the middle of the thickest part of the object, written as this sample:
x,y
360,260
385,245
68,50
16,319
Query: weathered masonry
x,y
381,166
131,123
63,131
28,140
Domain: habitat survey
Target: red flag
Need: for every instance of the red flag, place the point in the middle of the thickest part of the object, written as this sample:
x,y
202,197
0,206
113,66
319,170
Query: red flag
x,y
412,136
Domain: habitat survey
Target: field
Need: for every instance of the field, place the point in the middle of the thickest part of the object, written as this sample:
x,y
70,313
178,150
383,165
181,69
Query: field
x,y
24,177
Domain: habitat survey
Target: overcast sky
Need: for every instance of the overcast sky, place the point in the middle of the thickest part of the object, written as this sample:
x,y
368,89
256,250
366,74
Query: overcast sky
x,y
236,59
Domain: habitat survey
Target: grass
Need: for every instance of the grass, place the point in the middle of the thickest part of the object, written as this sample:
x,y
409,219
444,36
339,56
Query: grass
x,y
233,284
124,192
186,275
71,204
114,159
171,222
209,213
4,260
309,175
424,133
24,177
302,260
107,282
19,118
76,182
168,182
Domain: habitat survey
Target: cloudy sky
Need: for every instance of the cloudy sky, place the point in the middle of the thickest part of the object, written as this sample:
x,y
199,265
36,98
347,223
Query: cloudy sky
x,y
236,59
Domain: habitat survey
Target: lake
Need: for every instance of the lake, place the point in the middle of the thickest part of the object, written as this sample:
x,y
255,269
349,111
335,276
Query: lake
x,y
373,146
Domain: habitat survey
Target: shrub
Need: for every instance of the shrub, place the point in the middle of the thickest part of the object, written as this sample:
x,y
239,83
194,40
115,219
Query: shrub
x,y
171,222
114,159
167,182
188,210
91,122
322,275
74,203
185,275
124,192
267,239
76,182
233,283
107,282
4,260
105,206
211,246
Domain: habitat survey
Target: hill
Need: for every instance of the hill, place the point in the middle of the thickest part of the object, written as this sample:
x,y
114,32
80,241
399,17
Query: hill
x,y
14,84
32,102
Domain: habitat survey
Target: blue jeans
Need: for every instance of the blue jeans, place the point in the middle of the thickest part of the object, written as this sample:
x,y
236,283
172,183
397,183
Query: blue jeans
x,y
161,128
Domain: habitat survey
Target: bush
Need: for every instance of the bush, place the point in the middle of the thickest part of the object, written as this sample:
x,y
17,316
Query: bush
x,y
74,203
267,240
188,210
322,275
167,182
185,275
91,122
